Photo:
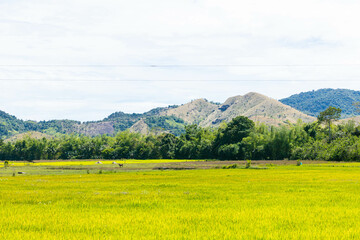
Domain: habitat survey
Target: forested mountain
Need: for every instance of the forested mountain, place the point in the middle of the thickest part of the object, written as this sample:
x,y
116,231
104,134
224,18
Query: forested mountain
x,y
10,124
314,102
171,119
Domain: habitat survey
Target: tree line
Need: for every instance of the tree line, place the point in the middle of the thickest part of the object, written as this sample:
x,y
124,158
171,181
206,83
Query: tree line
x,y
237,140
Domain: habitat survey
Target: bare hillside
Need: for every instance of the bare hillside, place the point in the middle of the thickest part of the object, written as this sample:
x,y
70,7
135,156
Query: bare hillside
x,y
31,134
140,127
355,119
258,108
192,112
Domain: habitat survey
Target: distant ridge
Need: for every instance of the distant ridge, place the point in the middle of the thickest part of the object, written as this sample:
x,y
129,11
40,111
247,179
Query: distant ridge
x,y
171,119
193,112
314,102
258,108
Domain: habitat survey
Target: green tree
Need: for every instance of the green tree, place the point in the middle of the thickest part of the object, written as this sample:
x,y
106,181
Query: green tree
x,y
167,146
233,133
229,151
254,144
239,128
279,146
328,116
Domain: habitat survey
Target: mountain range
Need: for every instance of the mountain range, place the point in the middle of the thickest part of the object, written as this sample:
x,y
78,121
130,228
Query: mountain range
x,y
173,119
314,102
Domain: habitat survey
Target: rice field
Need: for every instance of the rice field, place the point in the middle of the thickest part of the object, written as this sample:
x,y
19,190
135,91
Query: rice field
x,y
274,202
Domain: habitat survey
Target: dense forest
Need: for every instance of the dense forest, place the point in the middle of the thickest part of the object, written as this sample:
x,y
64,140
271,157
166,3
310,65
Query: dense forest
x,y
314,102
239,139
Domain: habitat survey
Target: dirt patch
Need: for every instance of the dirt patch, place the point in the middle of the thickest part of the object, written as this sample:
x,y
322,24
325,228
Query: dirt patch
x,y
174,168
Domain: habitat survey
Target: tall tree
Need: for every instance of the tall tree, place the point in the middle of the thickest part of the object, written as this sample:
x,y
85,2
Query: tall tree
x,y
233,133
328,116
167,146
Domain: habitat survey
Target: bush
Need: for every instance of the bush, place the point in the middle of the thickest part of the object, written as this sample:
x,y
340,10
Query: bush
x,y
248,164
233,166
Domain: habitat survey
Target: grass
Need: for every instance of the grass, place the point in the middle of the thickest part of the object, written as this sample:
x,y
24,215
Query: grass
x,y
280,202
82,166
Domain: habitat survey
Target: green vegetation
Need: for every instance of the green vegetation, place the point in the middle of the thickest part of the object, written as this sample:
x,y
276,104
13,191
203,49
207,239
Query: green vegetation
x,y
238,140
123,121
170,124
328,116
281,202
314,102
10,125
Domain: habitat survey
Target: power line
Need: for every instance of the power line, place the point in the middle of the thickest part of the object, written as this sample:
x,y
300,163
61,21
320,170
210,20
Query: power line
x,y
178,80
174,65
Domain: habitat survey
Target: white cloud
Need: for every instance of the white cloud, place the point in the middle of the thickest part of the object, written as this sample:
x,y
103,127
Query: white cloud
x,y
187,32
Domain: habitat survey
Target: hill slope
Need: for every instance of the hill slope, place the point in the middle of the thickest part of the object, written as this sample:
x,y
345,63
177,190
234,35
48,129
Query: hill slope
x,y
314,102
257,107
30,134
193,112
10,125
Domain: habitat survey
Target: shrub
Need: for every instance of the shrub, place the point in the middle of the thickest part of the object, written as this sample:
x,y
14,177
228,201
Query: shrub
x,y
248,164
232,166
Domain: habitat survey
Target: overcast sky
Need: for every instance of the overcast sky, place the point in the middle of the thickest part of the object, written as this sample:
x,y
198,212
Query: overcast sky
x,y
84,59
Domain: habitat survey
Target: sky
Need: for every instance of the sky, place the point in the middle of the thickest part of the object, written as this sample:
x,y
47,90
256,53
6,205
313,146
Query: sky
x,y
85,59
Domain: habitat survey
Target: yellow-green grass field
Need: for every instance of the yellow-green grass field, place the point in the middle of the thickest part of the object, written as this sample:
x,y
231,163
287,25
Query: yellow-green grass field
x,y
270,201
